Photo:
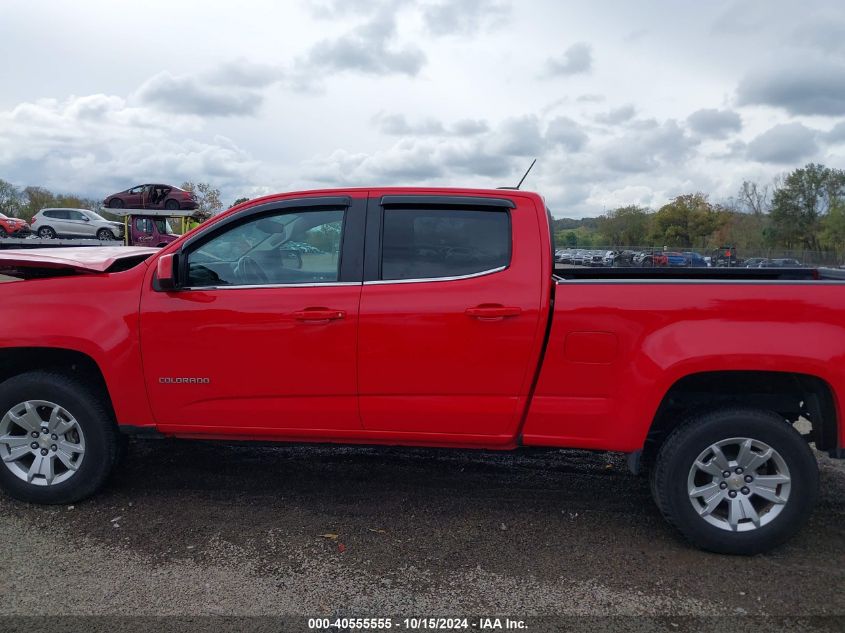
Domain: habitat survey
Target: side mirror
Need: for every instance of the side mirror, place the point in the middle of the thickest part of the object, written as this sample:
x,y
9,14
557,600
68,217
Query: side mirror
x,y
165,278
86,218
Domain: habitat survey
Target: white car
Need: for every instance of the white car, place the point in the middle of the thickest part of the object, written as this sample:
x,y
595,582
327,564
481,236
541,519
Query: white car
x,y
84,223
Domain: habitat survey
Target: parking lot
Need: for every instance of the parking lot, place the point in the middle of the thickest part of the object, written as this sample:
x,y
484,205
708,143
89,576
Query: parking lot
x,y
201,528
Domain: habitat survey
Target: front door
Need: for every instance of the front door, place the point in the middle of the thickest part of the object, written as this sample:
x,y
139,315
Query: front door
x,y
257,342
142,231
450,316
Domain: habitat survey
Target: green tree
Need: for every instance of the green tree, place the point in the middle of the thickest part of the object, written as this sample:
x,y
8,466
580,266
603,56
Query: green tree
x,y
11,200
208,199
833,227
238,201
625,226
689,220
800,203
35,199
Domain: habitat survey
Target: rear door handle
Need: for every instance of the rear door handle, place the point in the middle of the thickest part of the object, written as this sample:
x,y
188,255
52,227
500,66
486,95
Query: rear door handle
x,y
493,312
318,315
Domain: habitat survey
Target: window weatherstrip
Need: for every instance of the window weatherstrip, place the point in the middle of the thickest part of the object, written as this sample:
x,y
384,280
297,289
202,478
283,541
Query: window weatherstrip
x,y
381,282
315,284
447,201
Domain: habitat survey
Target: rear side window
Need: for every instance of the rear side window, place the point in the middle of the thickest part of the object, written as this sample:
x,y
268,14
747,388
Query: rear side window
x,y
436,243
57,214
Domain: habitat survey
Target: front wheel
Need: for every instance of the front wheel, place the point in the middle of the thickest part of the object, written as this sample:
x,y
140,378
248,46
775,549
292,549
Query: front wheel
x,y
171,205
105,235
58,439
736,480
115,203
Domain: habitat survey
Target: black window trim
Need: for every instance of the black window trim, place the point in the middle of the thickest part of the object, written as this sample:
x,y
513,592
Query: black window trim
x,y
351,240
375,231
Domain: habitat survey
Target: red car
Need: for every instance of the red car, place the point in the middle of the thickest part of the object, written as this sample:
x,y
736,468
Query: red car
x,y
13,227
152,196
425,317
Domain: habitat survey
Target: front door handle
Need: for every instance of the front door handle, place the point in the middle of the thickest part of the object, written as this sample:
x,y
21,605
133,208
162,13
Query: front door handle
x,y
318,315
493,312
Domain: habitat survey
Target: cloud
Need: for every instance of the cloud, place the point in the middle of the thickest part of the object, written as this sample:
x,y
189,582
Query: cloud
x,y
463,18
365,49
616,115
567,133
644,150
188,95
576,59
519,136
810,88
787,143
96,144
714,123
398,125
836,134
245,74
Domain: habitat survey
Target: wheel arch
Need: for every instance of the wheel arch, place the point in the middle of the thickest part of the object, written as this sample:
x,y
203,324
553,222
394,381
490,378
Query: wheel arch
x,y
791,395
18,360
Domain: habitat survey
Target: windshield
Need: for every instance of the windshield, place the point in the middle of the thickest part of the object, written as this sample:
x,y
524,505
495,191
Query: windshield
x,y
95,216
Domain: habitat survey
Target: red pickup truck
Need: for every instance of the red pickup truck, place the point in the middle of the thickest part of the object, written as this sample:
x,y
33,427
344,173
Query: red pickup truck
x,y
425,317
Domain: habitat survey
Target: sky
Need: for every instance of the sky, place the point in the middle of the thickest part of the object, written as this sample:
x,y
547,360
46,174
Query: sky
x,y
621,102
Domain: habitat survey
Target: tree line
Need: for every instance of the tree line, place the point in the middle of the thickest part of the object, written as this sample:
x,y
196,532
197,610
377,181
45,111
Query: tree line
x,y
803,210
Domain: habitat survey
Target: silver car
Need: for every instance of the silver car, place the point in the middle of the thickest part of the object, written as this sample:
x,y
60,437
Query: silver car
x,y
84,223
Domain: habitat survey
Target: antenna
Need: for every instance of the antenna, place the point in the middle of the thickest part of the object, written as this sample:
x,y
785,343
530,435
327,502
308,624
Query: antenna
x,y
522,179
526,173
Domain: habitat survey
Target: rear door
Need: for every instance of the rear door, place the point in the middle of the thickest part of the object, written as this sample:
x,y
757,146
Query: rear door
x,y
255,345
450,315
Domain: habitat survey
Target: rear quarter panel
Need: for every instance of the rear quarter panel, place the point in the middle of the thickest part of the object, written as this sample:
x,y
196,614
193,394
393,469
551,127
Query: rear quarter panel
x,y
616,348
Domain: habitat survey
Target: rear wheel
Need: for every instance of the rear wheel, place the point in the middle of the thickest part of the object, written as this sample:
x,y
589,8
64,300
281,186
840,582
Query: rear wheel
x,y
736,481
58,440
46,233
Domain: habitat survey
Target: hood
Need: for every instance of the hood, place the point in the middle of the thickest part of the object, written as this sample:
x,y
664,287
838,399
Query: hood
x,y
96,259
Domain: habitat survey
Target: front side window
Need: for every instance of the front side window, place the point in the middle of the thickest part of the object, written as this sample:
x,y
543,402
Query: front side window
x,y
76,215
285,248
436,243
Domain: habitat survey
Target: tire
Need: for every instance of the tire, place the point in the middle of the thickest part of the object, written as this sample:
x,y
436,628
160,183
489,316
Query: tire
x,y
115,203
171,205
93,438
105,234
46,233
676,474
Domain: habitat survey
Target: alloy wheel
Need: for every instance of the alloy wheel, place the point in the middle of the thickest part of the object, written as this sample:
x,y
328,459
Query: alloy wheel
x,y
41,442
739,484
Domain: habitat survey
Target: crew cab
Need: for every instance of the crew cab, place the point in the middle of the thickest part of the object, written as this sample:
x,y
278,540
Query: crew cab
x,y
425,317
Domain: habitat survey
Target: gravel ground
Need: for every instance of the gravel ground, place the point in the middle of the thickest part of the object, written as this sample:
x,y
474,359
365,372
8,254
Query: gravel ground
x,y
194,528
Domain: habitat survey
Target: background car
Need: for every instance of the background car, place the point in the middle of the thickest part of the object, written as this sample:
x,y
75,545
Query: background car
x,y
152,196
84,223
13,227
781,262
694,260
754,262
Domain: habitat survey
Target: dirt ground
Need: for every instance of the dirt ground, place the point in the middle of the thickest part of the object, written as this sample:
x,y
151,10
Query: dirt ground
x,y
194,528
